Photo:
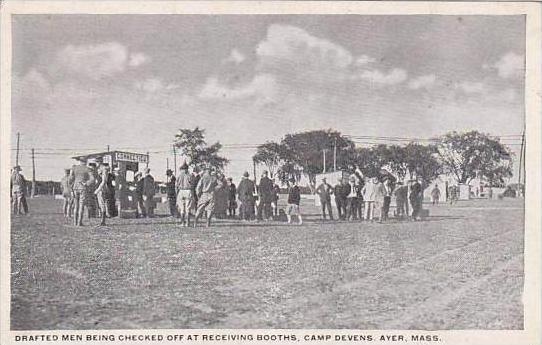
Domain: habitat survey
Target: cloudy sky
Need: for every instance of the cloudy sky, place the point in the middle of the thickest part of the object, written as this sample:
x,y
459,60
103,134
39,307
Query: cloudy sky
x,y
82,82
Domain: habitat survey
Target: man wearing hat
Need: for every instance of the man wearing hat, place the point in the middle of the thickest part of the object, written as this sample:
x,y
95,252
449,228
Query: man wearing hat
x,y
92,202
245,191
81,178
324,191
18,186
416,198
185,201
67,193
171,192
148,193
232,195
138,195
294,198
265,195
102,192
206,192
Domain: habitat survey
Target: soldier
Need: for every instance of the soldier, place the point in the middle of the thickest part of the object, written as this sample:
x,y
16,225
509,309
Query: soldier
x,y
92,202
294,198
401,197
81,178
102,192
205,191
185,201
18,186
245,191
67,193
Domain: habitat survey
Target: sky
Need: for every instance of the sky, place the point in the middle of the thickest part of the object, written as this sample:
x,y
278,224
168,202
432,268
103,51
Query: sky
x,y
82,82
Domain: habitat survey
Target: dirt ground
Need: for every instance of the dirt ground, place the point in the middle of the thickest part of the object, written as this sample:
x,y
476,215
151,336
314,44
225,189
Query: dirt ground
x,y
461,268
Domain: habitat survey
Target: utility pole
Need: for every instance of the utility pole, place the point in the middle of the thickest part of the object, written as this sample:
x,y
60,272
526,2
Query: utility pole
x,y
335,155
174,160
254,167
107,148
324,152
17,155
521,161
167,163
148,159
33,175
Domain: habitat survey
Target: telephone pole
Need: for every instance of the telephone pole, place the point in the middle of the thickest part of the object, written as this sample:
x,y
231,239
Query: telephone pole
x,y
335,155
17,155
174,160
324,170
33,175
167,163
148,159
521,162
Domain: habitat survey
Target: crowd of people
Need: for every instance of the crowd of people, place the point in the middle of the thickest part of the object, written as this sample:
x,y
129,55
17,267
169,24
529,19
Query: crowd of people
x,y
197,193
369,198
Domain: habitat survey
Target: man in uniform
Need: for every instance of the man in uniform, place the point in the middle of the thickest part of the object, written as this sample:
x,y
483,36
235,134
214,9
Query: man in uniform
x,y
18,186
81,178
205,191
67,193
121,189
102,192
184,199
92,202
340,198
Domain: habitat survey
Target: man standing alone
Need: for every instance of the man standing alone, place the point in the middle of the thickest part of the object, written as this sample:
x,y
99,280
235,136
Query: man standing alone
x,y
324,191
18,186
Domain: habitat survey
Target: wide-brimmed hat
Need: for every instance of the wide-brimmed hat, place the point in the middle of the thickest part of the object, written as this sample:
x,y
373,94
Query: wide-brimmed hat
x,y
184,166
169,171
17,167
245,174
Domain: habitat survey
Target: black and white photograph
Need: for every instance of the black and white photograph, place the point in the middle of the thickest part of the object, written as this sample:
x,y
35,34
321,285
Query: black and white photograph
x,y
273,171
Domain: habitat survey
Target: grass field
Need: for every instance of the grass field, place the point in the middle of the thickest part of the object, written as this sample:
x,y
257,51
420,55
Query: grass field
x,y
462,268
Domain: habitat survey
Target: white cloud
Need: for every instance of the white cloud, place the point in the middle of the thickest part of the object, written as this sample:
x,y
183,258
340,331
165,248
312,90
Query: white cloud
x,y
150,85
424,81
262,86
137,59
235,56
472,87
96,61
295,44
393,77
510,65
364,59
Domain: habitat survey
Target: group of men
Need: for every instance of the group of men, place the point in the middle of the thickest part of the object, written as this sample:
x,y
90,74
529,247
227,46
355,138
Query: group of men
x,y
369,198
93,187
205,192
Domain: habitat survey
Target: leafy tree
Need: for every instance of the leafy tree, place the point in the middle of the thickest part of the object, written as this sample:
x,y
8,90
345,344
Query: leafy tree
x,y
270,154
473,153
305,150
191,143
422,162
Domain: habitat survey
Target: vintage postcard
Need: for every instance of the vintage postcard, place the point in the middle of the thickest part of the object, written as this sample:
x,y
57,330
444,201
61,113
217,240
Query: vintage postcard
x,y
258,172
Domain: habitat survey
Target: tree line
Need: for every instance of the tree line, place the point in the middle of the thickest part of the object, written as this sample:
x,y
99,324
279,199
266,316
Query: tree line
x,y
464,156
